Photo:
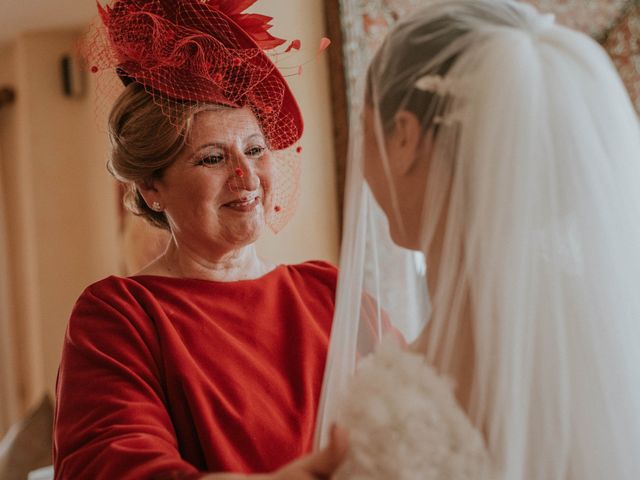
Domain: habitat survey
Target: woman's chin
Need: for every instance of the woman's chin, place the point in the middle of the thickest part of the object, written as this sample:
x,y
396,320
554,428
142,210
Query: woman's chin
x,y
247,230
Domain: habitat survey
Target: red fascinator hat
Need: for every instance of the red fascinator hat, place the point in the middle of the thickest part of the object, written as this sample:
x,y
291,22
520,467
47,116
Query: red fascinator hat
x,y
199,51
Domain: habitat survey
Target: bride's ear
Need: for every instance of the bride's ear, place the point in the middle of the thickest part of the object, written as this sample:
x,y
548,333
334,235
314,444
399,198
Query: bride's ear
x,y
404,141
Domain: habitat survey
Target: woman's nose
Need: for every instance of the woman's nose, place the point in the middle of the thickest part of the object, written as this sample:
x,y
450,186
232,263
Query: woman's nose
x,y
243,174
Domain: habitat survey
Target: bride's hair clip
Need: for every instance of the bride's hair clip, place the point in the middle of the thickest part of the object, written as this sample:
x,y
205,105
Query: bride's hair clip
x,y
449,119
449,89
435,84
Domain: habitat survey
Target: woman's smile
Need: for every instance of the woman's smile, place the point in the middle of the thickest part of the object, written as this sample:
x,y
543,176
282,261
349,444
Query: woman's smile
x,y
246,203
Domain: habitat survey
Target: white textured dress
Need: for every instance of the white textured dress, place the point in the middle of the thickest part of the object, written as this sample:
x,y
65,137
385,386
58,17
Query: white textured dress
x,y
405,424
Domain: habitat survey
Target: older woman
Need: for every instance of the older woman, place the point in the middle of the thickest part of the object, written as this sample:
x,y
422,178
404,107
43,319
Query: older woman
x,y
504,147
210,359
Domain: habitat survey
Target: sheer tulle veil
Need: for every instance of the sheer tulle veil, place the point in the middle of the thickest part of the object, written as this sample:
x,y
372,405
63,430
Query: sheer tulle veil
x,y
532,201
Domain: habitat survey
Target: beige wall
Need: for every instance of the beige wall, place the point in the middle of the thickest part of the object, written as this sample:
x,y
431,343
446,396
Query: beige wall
x,y
10,396
20,240
61,203
313,231
74,199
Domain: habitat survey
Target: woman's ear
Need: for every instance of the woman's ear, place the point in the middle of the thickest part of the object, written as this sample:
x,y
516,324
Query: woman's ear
x,y
149,192
404,141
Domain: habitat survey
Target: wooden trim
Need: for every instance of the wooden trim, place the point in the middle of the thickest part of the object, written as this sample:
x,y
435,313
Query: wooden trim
x,y
339,103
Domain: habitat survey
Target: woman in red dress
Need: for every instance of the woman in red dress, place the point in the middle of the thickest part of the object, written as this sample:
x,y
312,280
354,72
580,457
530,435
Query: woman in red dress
x,y
210,359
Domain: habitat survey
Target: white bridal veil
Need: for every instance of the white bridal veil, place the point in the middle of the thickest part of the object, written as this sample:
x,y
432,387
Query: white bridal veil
x,y
531,210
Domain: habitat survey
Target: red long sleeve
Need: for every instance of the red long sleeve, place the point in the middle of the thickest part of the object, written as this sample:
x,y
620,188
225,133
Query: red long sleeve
x,y
170,378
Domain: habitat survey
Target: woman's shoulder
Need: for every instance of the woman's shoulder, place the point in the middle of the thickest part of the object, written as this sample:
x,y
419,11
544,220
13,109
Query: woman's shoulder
x,y
315,271
110,298
111,288
108,283
315,268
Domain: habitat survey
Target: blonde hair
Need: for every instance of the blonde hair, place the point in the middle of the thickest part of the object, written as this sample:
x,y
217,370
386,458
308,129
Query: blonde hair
x,y
146,138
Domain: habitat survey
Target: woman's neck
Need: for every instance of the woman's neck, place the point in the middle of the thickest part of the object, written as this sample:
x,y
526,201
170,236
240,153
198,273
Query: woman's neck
x,y
181,262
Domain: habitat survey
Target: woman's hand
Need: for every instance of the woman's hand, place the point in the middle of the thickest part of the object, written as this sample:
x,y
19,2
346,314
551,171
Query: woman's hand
x,y
313,466
318,465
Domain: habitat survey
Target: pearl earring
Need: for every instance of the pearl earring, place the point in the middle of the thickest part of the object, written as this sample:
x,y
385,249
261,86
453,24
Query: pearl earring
x,y
156,207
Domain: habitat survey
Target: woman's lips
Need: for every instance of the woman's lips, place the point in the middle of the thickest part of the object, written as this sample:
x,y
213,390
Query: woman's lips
x,y
244,204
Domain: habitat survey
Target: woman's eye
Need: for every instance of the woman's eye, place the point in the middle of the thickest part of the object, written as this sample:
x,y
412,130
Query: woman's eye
x,y
211,160
255,151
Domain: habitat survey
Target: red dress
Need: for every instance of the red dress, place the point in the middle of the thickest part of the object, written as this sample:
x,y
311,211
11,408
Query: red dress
x,y
170,378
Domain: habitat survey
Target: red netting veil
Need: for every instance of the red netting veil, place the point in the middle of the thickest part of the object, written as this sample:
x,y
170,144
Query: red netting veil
x,y
191,52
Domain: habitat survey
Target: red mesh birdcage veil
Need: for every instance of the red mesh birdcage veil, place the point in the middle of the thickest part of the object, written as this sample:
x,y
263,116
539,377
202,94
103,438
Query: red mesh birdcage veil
x,y
198,52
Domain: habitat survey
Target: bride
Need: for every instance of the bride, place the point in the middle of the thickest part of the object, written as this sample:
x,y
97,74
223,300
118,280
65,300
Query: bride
x,y
504,148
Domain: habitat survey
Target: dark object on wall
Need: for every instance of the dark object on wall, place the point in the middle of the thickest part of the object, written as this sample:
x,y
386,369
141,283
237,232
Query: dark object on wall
x,y
73,77
7,96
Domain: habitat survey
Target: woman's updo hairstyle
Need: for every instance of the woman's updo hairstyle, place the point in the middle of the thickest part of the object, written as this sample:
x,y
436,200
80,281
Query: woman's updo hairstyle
x,y
145,140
